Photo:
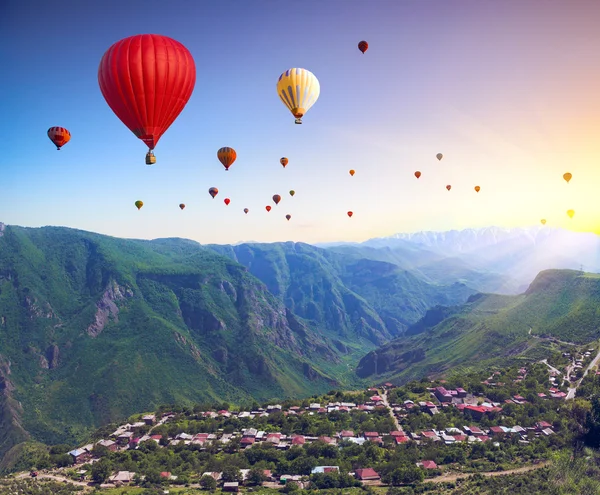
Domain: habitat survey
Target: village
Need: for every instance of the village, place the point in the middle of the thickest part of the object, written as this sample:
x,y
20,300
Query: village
x,y
473,408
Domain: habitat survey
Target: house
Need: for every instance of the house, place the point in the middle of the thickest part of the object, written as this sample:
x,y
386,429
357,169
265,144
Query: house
x,y
149,419
442,394
474,430
367,474
427,464
213,474
325,469
122,477
79,455
541,425
476,412
231,486
346,434
109,444
298,440
401,439
496,430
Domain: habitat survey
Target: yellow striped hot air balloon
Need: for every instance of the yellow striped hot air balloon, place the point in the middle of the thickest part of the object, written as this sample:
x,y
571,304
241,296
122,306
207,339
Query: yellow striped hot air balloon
x,y
298,89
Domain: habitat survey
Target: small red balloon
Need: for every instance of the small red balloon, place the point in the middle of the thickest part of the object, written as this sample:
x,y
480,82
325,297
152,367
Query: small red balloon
x,y
227,201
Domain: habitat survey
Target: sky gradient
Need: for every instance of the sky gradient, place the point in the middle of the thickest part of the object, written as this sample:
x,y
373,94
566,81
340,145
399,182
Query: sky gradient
x,y
508,91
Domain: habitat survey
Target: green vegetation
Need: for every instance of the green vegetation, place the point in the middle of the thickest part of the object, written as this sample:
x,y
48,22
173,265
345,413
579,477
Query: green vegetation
x,y
93,328
560,305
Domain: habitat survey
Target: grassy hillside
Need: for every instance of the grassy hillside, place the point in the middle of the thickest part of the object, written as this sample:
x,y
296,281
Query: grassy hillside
x,y
344,295
93,328
564,304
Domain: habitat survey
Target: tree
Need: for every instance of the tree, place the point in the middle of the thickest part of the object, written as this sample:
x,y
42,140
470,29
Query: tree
x,y
101,470
231,473
256,476
208,482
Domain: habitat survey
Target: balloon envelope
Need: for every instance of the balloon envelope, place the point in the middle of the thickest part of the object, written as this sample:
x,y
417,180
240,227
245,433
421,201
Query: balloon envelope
x,y
350,214
147,80
227,201
298,89
284,161
226,156
570,213
213,191
292,192
439,156
568,176
477,188
417,174
363,46
448,187
246,210
288,217
276,198
352,172
543,220
268,208
59,136
139,204
182,206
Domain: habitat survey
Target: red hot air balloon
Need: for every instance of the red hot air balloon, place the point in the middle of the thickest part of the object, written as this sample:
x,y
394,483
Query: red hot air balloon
x,y
417,174
59,136
147,80
226,156
227,201
276,198
448,187
284,161
363,46
268,208
213,191
350,214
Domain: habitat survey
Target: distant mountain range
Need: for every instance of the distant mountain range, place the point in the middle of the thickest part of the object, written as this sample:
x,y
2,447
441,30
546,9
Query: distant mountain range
x,y
509,257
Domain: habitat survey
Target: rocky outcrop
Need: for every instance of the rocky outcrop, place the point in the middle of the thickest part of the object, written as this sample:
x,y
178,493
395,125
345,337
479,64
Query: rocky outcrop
x,y
107,307
35,311
52,355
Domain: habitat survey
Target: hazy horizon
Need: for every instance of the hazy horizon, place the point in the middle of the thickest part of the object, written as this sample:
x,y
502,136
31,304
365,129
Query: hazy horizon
x,y
507,91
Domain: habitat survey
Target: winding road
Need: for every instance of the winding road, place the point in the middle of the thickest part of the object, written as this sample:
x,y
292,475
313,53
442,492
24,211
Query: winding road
x,y
387,404
594,362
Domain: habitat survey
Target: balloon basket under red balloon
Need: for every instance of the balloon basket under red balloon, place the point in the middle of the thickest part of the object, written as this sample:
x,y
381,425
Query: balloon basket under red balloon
x,y
150,158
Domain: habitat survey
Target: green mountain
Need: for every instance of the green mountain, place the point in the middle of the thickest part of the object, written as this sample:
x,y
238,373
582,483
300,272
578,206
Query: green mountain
x,y
491,328
94,328
344,295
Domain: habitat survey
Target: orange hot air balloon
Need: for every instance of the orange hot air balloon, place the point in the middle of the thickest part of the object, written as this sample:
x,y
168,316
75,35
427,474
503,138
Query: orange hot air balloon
x,y
350,214
139,204
147,80
284,161
276,198
227,201
288,217
59,136
213,191
268,208
448,187
543,220
352,173
568,176
570,213
182,206
417,174
363,46
226,156
477,188
246,210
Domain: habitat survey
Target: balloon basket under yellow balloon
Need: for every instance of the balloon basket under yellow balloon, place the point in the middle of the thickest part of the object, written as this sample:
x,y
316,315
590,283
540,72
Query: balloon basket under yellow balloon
x,y
298,121
150,158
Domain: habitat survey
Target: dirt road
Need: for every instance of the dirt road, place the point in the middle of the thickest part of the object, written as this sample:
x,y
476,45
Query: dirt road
x,y
53,477
454,477
387,404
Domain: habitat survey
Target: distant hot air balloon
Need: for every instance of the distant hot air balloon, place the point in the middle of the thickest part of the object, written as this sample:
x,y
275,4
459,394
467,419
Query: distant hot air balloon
x,y
363,46
477,188
227,201
213,191
417,174
543,220
268,208
568,176
59,136
298,89
352,172
292,192
288,217
139,204
276,198
350,214
570,213
439,156
182,206
226,156
284,161
246,210
448,187
147,80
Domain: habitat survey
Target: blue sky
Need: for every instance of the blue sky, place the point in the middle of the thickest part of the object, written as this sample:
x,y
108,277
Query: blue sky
x,y
508,91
